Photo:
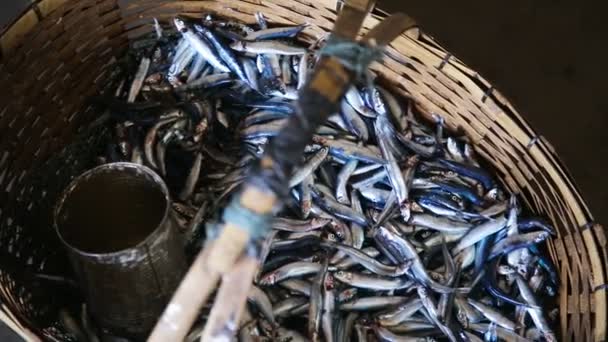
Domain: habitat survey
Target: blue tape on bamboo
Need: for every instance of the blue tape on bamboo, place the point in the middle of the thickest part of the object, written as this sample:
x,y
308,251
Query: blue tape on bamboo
x,y
352,55
255,224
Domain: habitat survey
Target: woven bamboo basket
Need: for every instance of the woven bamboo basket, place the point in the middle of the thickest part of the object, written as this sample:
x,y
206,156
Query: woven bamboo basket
x,y
59,52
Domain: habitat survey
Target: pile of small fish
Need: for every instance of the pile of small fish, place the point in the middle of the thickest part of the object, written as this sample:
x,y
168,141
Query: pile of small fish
x,y
394,231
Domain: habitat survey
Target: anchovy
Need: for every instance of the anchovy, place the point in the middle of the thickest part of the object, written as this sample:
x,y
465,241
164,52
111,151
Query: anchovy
x,y
371,303
431,308
415,327
262,116
437,239
517,241
392,169
250,70
401,249
443,207
192,178
197,67
370,252
267,47
151,137
353,97
535,313
200,46
306,196
400,314
349,150
292,270
493,315
469,171
440,224
343,176
224,52
138,80
275,33
378,197
346,328
370,181
303,70
363,281
293,225
465,258
261,301
479,232
527,225
503,334
492,287
286,73
297,285
354,122
209,81
311,165
287,306
338,209
264,130
367,168
394,109
386,335
316,303
329,306
356,230
465,313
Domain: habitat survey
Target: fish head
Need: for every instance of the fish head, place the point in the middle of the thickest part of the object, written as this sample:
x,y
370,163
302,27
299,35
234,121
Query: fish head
x,y
406,211
505,270
423,292
268,279
416,207
180,25
347,294
238,45
542,236
319,139
461,316
338,229
449,174
492,194
551,290
201,29
343,276
329,282
332,237
306,207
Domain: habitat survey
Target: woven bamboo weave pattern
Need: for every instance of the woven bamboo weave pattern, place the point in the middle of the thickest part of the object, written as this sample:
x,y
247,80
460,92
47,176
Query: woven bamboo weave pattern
x,y
60,52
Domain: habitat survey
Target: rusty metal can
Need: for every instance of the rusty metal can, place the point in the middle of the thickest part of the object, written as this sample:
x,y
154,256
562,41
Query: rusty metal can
x,y
124,247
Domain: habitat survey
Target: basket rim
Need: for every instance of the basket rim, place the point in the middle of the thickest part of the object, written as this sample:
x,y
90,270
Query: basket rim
x,y
538,148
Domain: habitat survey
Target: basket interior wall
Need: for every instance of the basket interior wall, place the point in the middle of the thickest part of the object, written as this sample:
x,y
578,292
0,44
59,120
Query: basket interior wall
x,y
61,52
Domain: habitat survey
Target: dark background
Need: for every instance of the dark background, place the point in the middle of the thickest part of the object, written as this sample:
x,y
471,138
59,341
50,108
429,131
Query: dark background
x,y
548,57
